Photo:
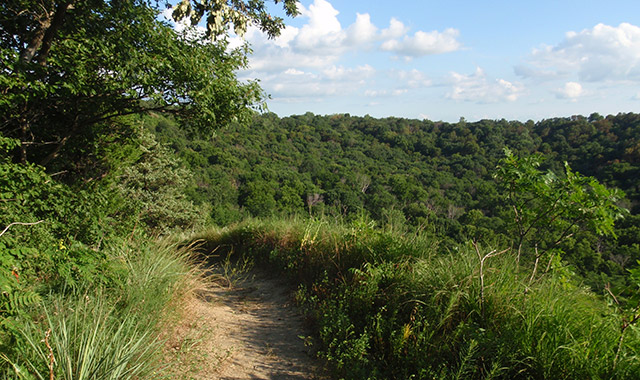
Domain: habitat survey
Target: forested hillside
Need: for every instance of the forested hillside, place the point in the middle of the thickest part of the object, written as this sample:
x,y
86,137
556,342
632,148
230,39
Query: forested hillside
x,y
412,174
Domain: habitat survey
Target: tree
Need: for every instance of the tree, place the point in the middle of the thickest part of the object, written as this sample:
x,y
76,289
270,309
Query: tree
x,y
547,209
153,188
221,15
67,66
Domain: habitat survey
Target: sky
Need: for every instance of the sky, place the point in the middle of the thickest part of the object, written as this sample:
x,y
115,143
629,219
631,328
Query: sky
x,y
443,60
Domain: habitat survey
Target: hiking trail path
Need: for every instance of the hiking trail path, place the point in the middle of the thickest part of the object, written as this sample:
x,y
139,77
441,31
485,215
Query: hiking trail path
x,y
245,329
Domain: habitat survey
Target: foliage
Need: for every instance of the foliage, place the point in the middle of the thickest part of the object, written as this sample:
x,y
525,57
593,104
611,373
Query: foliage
x,y
48,229
425,175
547,209
68,66
221,15
87,342
395,306
154,190
67,241
104,333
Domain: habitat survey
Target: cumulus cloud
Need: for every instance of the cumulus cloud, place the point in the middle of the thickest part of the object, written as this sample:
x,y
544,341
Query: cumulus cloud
x,y
376,93
479,88
422,43
400,83
323,32
305,60
299,85
322,40
411,78
570,90
362,32
396,29
385,93
602,53
342,73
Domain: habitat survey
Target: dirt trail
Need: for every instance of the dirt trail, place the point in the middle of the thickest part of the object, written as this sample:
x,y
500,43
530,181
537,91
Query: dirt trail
x,y
249,331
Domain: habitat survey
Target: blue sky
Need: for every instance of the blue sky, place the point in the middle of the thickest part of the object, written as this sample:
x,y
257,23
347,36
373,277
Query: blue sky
x,y
443,60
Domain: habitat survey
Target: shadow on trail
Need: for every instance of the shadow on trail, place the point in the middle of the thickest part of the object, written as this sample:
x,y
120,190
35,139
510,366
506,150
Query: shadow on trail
x,y
264,327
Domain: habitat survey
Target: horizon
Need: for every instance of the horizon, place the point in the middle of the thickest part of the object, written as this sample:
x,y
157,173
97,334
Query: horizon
x,y
462,118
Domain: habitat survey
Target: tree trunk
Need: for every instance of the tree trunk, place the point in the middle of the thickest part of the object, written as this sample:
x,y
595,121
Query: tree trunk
x,y
24,130
56,23
61,144
27,54
44,34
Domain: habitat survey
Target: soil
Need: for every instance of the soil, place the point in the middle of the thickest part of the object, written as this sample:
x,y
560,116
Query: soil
x,y
248,330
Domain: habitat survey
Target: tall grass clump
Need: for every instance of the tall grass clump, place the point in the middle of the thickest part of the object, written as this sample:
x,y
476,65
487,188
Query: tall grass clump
x,y
106,332
387,305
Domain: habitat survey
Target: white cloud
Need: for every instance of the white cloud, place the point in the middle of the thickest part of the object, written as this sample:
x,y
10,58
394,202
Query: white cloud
x,y
411,78
312,85
477,87
322,40
400,82
422,43
602,53
305,60
375,93
287,35
293,72
385,93
362,32
342,73
323,32
396,29
570,90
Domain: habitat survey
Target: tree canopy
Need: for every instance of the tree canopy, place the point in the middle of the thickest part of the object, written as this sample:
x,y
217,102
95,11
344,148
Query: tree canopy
x,y
69,68
222,15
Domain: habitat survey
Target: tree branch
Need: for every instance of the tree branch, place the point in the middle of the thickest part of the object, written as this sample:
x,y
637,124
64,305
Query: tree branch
x,y
20,224
56,24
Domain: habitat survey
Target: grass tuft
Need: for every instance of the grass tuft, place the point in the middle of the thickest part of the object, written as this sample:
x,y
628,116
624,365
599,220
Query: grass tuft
x,y
108,332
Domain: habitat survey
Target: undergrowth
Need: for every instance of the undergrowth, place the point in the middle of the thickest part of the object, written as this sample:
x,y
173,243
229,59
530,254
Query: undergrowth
x,y
105,332
387,305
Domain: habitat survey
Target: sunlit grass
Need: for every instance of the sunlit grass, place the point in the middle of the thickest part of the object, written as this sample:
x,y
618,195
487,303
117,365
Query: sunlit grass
x,y
108,333
387,304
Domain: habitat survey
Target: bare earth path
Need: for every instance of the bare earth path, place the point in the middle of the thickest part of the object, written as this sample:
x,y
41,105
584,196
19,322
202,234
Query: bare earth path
x,y
249,331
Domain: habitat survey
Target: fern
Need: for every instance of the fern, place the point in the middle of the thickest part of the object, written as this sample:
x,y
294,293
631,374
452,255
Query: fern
x,y
21,299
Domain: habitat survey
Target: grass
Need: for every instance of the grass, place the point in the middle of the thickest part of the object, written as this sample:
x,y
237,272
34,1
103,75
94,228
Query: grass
x,y
387,305
112,332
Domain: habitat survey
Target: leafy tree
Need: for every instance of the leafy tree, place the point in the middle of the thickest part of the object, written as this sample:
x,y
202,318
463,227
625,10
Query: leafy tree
x,y
258,198
547,209
221,15
66,66
154,189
